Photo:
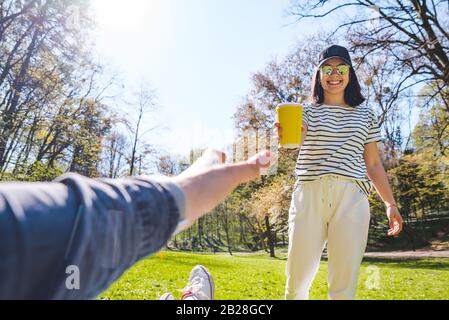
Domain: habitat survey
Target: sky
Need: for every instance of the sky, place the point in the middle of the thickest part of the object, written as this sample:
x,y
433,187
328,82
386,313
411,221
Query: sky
x,y
198,56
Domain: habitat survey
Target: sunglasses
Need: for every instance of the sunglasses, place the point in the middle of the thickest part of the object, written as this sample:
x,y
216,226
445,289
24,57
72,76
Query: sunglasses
x,y
342,69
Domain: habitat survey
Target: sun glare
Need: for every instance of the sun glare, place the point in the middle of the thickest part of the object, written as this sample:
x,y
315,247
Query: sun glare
x,y
129,15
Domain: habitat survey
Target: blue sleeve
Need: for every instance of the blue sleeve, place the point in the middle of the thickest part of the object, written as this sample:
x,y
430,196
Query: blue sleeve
x,y
97,227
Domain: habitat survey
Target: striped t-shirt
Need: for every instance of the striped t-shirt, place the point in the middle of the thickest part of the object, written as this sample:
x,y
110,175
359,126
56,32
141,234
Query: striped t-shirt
x,y
335,142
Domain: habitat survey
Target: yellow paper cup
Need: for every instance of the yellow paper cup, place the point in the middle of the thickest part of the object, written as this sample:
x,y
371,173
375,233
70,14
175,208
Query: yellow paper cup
x,y
290,119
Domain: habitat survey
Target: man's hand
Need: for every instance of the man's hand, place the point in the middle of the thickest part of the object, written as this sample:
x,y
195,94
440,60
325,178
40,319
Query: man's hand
x,y
209,180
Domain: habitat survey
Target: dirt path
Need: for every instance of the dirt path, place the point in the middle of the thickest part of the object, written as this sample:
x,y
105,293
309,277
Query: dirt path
x,y
409,254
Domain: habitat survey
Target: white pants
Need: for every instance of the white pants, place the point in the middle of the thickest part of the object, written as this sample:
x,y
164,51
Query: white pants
x,y
331,209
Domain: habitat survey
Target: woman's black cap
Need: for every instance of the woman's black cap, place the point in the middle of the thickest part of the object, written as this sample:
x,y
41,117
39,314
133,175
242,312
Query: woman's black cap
x,y
335,51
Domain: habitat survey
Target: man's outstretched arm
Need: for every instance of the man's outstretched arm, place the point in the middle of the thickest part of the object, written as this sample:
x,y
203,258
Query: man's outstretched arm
x,y
73,237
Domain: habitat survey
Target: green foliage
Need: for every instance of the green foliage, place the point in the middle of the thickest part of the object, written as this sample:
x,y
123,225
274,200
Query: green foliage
x,y
51,115
431,133
39,171
420,184
91,126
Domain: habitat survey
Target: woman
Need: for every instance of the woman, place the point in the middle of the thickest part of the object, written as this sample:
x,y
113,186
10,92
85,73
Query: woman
x,y
330,199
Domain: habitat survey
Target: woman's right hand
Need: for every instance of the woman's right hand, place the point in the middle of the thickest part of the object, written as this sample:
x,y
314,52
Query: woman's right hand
x,y
277,130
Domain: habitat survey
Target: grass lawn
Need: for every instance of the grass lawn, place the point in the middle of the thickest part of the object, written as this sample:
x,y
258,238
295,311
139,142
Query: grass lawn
x,y
257,277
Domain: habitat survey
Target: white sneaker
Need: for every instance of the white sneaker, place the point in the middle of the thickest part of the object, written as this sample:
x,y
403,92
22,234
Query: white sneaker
x,y
200,286
167,296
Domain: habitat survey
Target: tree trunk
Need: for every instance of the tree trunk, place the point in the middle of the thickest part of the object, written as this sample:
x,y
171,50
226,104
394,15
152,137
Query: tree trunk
x,y
10,110
200,230
269,237
226,228
175,242
242,229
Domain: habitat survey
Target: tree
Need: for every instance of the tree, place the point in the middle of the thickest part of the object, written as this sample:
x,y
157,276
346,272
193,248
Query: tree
x,y
225,218
383,90
146,104
113,158
269,205
432,130
420,186
287,80
415,33
168,165
36,52
91,127
51,113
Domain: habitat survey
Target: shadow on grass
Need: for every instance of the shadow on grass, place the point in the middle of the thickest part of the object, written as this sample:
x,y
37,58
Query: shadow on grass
x,y
406,262
221,260
209,260
436,263
411,263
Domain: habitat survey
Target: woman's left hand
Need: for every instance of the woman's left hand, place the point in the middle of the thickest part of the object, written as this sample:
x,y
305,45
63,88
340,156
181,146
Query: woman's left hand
x,y
395,221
